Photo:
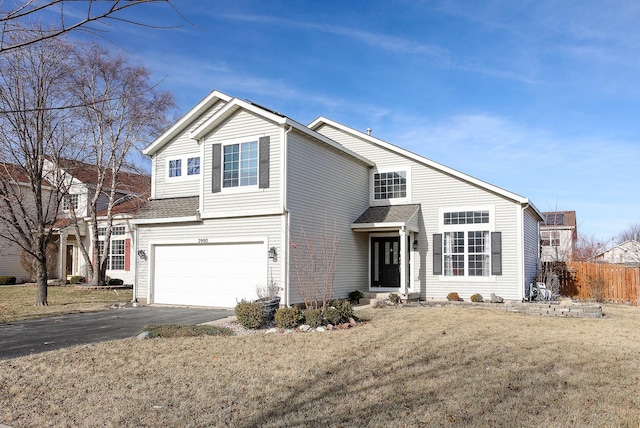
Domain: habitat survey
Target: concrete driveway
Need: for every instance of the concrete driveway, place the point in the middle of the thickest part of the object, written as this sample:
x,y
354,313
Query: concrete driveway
x,y
29,337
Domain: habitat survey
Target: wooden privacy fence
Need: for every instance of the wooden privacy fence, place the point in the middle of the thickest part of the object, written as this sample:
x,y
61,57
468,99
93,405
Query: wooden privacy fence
x,y
602,282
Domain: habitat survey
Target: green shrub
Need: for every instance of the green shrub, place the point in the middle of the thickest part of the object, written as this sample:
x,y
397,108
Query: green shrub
x,y
333,316
7,280
477,298
395,298
454,297
249,315
115,281
287,317
344,308
355,296
313,317
76,279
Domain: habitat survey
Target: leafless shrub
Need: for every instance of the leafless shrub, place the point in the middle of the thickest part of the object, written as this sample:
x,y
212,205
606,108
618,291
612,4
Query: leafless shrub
x,y
597,288
314,262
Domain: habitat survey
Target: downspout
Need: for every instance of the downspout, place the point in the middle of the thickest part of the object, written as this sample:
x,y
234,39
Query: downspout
x,y
285,210
524,249
134,300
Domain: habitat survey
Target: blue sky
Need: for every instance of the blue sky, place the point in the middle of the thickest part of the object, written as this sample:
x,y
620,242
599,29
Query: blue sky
x,y
539,97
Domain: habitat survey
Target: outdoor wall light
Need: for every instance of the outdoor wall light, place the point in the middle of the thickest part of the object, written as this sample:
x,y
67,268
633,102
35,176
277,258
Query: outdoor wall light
x,y
142,254
415,244
273,254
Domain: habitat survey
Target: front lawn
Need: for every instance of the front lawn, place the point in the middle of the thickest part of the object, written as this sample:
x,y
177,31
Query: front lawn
x,y
435,366
17,302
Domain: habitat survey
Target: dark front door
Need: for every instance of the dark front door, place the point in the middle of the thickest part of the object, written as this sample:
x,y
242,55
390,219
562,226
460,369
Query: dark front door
x,y
385,262
69,266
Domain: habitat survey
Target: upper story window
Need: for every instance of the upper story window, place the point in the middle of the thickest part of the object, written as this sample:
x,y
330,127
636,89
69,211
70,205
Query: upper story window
x,y
183,167
389,185
550,238
70,201
240,164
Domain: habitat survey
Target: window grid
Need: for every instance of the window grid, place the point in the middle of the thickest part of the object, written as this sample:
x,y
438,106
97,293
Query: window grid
x,y
390,185
454,253
193,166
70,201
550,238
478,255
240,164
116,258
466,217
117,230
175,168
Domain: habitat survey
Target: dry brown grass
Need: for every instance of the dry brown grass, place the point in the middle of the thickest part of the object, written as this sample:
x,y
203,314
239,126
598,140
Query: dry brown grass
x,y
447,366
17,302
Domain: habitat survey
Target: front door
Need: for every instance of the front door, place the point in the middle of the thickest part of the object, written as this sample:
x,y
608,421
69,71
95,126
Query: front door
x,y
385,262
69,267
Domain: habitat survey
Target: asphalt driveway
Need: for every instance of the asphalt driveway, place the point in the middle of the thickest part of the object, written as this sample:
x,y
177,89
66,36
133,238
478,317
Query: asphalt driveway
x,y
29,337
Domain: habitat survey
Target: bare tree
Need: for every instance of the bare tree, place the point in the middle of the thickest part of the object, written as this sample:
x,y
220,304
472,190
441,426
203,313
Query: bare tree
x,y
122,112
587,248
629,239
32,131
63,16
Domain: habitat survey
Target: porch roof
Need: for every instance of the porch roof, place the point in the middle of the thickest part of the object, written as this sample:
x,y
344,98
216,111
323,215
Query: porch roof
x,y
168,210
388,217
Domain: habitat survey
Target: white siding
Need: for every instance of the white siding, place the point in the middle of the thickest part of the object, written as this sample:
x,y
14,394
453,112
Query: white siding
x,y
434,189
238,201
268,228
326,192
182,145
10,260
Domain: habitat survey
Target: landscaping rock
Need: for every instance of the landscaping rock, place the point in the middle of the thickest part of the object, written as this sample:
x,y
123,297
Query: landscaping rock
x,y
271,330
352,322
496,299
304,327
144,335
321,329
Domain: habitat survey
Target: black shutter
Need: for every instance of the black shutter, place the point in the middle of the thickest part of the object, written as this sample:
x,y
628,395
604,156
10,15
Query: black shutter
x,y
437,253
216,173
263,169
496,253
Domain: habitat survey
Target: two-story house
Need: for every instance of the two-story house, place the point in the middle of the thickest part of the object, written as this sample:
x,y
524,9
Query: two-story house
x,y
558,236
238,188
131,193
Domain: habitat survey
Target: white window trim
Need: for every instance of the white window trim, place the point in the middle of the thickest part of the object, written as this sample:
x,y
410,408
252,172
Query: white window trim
x,y
490,227
238,189
67,200
122,237
393,201
183,168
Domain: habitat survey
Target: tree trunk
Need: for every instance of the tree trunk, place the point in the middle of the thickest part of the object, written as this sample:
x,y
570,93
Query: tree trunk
x,y
41,298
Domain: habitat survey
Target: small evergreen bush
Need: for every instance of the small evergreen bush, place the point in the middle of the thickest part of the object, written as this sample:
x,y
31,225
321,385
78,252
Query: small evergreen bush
x,y
333,316
453,297
249,315
313,317
395,298
115,281
7,280
344,309
287,317
477,298
355,296
76,279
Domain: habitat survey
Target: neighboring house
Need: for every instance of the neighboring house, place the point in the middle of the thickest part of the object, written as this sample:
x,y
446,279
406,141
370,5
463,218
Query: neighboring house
x,y
626,253
558,236
238,189
131,193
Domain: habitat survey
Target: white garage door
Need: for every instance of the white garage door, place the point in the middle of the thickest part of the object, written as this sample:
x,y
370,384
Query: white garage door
x,y
208,275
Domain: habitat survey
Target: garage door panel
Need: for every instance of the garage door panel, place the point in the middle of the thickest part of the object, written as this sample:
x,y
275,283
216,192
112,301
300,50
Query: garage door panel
x,y
208,275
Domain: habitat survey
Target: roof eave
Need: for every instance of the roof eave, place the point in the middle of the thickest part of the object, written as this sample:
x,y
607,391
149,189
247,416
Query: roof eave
x,y
185,120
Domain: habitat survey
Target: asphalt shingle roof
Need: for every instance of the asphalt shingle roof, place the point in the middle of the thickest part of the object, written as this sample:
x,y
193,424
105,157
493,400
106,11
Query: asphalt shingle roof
x,y
168,208
388,214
